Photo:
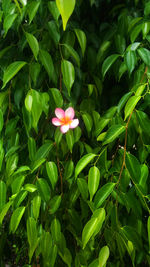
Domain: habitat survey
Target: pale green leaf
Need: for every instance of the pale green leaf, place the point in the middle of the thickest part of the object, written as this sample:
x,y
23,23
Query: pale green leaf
x,y
130,105
65,8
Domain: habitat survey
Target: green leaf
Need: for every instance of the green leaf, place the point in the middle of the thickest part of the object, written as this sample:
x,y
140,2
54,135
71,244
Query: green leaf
x,y
1,120
93,226
58,99
43,151
113,132
2,194
52,172
135,32
87,121
36,206
93,180
132,235
133,167
28,102
30,188
31,148
56,230
4,211
130,105
140,90
130,60
108,63
15,218
82,163
143,120
54,204
68,72
148,230
8,22
32,236
103,193
33,43
35,68
11,71
54,31
81,39
53,9
73,53
65,8
32,9
101,125
47,62
83,188
103,256
144,55
70,140
123,100
44,189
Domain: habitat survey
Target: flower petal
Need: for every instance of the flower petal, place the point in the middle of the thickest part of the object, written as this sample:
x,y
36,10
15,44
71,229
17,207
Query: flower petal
x,y
64,128
70,113
56,122
60,113
74,123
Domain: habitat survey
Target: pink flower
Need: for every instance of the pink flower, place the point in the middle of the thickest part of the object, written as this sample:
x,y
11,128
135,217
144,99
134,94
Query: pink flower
x,y
65,119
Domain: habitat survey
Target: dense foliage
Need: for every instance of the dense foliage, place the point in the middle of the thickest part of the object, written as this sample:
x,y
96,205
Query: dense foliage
x,y
79,198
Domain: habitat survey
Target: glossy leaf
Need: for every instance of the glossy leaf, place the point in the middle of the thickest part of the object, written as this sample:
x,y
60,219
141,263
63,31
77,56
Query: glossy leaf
x,y
148,230
33,43
133,167
103,256
68,74
32,236
87,121
4,211
32,9
47,62
108,63
54,31
83,188
54,204
81,39
16,218
52,172
113,133
11,71
56,229
123,100
43,189
82,163
8,22
43,151
70,140
130,105
93,180
73,53
65,8
2,194
58,99
93,226
103,193
145,55
53,9
36,206
130,60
